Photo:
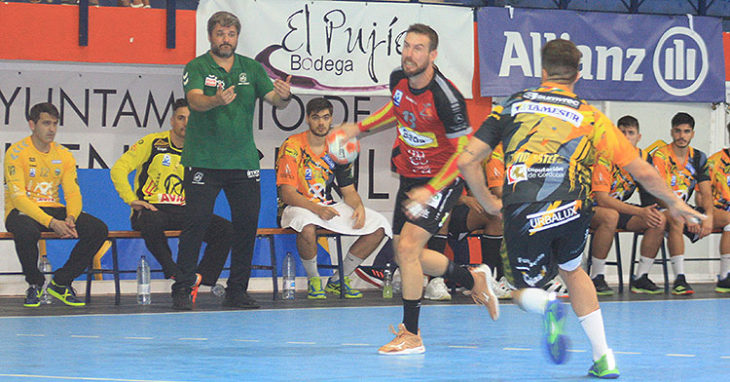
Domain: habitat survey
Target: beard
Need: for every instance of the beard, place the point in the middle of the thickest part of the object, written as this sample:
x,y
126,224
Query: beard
x,y
316,134
217,50
415,72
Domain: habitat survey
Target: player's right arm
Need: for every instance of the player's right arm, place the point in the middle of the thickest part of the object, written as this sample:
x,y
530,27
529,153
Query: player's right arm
x,y
193,84
15,182
470,165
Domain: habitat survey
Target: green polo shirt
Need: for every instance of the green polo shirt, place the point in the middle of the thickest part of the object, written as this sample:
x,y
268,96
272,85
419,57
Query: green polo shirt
x,y
222,137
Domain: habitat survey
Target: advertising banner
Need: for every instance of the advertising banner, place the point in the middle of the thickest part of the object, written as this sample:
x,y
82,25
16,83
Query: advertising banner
x,y
625,57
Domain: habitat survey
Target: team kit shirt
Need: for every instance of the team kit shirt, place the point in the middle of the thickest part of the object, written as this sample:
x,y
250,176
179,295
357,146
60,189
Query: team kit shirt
x,y
551,138
432,125
614,180
312,175
682,176
222,137
33,178
494,168
719,167
158,171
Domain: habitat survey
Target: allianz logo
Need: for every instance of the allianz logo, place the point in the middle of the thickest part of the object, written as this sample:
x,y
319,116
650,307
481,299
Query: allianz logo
x,y
679,63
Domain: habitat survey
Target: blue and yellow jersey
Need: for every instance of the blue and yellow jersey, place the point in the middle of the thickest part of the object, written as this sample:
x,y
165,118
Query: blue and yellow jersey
x,y
551,139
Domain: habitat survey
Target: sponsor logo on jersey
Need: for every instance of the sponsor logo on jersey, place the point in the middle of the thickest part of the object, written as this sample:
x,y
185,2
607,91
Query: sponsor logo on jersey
x,y
307,174
397,96
417,139
32,172
166,160
31,159
171,199
242,80
57,171
56,161
161,143
252,174
516,173
329,161
551,98
543,220
185,78
560,112
211,81
198,178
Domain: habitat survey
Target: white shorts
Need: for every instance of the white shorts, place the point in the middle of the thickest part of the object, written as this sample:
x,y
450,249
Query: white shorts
x,y
298,217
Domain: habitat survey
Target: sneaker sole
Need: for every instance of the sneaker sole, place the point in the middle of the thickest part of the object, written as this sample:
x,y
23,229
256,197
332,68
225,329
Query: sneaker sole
x,y
32,305
557,350
606,293
63,300
644,291
319,297
683,293
722,290
416,350
605,376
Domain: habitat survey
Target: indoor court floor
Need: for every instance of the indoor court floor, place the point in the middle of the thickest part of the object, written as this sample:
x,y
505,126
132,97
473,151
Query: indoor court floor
x,y
664,338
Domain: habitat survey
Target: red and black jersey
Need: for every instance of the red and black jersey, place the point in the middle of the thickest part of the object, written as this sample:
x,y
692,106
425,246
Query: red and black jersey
x,y
430,122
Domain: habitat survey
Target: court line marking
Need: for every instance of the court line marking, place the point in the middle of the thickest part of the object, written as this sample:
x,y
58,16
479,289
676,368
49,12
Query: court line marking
x,y
576,351
83,378
80,336
517,349
301,342
725,356
463,347
247,340
255,311
192,339
680,355
139,338
29,335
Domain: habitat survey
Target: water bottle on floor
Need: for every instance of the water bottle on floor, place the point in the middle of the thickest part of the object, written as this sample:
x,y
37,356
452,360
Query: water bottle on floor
x,y
45,266
387,282
289,274
218,290
143,282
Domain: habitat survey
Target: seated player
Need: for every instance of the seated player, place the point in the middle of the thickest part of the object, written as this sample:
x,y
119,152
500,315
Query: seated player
x,y
36,168
305,175
719,165
158,200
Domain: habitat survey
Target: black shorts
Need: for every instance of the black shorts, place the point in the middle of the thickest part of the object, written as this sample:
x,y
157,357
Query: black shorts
x,y
537,240
437,209
457,224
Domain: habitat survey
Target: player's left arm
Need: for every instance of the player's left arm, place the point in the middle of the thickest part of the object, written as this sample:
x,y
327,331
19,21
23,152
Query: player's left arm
x,y
71,190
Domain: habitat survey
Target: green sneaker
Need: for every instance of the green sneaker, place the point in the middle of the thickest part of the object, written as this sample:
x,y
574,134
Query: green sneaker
x,y
314,289
33,296
556,343
334,288
723,285
605,367
66,294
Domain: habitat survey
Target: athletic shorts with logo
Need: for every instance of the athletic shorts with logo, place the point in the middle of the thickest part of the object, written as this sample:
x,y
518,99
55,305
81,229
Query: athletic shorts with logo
x,y
437,209
540,236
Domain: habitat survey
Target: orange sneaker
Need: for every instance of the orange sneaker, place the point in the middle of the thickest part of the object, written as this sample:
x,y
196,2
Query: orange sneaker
x,y
483,291
194,291
404,342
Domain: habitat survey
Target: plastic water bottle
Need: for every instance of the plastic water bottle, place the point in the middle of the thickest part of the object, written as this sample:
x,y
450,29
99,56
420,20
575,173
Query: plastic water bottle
x,y
289,274
45,266
143,282
387,282
218,290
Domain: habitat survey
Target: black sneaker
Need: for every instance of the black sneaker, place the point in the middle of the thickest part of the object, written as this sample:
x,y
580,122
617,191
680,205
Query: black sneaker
x,y
602,289
681,287
181,299
644,285
239,299
66,294
371,275
723,285
33,296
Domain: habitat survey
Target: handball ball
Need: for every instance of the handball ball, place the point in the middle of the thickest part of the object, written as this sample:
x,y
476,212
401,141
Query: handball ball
x,y
341,151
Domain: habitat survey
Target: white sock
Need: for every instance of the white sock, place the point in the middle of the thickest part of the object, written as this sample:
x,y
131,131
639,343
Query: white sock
x,y
724,265
598,267
645,264
349,263
677,264
533,300
310,266
593,326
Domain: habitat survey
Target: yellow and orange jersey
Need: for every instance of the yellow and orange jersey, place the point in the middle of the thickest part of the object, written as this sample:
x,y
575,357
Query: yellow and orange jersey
x,y
311,174
494,168
614,179
551,138
33,179
681,174
719,167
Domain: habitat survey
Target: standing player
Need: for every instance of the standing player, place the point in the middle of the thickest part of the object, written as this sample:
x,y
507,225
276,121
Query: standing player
x,y
432,125
550,139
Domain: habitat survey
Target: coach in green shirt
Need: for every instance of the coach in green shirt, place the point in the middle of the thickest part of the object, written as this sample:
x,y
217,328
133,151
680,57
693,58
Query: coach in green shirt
x,y
220,154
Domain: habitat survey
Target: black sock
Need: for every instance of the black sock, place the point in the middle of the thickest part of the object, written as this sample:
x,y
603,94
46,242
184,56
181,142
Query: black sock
x,y
411,310
437,243
490,253
460,275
